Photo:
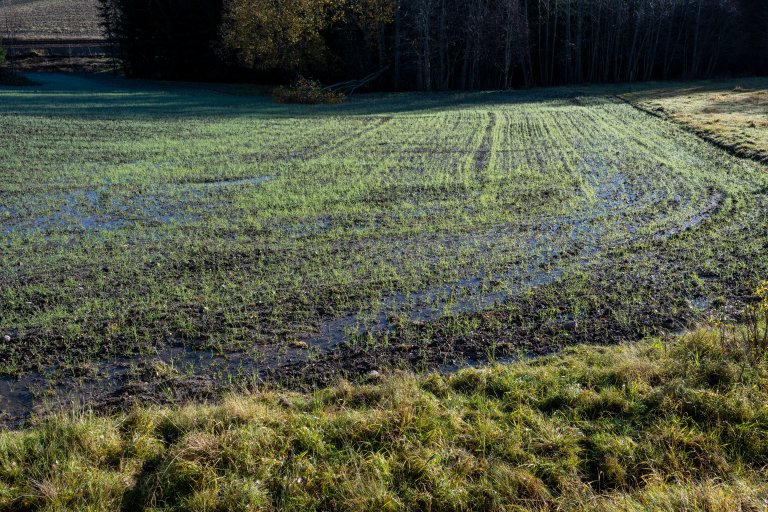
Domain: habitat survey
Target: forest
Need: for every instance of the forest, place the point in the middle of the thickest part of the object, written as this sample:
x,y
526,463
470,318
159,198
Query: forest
x,y
433,45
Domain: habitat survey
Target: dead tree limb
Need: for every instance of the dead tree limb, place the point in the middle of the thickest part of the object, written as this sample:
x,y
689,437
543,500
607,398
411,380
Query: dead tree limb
x,y
350,86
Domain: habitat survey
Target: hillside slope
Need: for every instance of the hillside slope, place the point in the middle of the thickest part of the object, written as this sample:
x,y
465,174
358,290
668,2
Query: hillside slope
x,y
50,19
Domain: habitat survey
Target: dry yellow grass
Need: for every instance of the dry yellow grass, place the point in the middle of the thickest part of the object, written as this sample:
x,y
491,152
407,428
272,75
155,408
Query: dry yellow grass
x,y
731,115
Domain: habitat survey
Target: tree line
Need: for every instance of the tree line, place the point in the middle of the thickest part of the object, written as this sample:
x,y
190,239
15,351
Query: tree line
x,y
440,44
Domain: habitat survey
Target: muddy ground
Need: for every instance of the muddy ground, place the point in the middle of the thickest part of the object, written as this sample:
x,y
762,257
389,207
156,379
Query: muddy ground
x,y
203,243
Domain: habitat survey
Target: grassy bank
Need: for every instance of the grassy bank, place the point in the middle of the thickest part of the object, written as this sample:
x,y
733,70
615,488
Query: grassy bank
x,y
733,115
678,424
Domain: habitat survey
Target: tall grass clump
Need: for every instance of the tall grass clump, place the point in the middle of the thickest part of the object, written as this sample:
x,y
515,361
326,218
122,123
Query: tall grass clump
x,y
754,333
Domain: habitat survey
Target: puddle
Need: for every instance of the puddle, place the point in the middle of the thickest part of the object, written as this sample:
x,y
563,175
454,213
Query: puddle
x,y
473,294
429,305
699,303
109,377
711,207
16,397
109,209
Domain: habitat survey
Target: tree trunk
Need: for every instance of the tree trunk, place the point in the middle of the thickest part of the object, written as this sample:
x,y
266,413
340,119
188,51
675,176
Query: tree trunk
x,y
398,23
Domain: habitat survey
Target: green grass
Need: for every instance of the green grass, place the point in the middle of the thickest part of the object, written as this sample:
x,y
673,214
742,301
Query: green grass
x,y
437,226
680,424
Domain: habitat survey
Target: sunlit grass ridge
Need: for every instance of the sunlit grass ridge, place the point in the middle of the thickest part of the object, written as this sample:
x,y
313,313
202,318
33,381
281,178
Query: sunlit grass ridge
x,y
675,425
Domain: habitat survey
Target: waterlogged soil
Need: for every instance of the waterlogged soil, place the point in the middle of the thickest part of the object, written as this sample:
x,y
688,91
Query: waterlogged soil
x,y
107,208
427,233
410,330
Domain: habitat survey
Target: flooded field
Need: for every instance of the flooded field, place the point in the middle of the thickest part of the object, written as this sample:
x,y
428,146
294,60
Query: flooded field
x,y
164,243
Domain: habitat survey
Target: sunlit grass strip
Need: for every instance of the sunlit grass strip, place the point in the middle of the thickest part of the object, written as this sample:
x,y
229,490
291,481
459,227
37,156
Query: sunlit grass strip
x,y
678,425
733,115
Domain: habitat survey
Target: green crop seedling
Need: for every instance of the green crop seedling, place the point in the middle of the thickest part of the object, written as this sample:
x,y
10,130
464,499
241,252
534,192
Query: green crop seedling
x,y
156,233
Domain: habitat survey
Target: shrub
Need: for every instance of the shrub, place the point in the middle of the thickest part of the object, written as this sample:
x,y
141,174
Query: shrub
x,y
2,55
308,92
755,329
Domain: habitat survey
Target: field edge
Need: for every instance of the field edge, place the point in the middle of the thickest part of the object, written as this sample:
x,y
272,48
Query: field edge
x,y
674,423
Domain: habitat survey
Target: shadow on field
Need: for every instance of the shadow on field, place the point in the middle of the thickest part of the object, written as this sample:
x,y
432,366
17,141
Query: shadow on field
x,y
78,95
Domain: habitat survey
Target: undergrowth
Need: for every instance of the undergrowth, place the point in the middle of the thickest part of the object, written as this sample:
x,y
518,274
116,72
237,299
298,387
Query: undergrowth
x,y
666,424
308,92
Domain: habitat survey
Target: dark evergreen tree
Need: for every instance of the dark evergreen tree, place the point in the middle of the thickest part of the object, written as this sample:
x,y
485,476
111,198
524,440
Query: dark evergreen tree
x,y
165,38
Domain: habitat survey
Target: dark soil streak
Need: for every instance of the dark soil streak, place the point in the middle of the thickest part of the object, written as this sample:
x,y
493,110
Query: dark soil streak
x,y
481,155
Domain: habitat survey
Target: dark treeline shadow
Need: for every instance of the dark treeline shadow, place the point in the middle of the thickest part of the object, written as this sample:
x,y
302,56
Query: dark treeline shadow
x,y
432,45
